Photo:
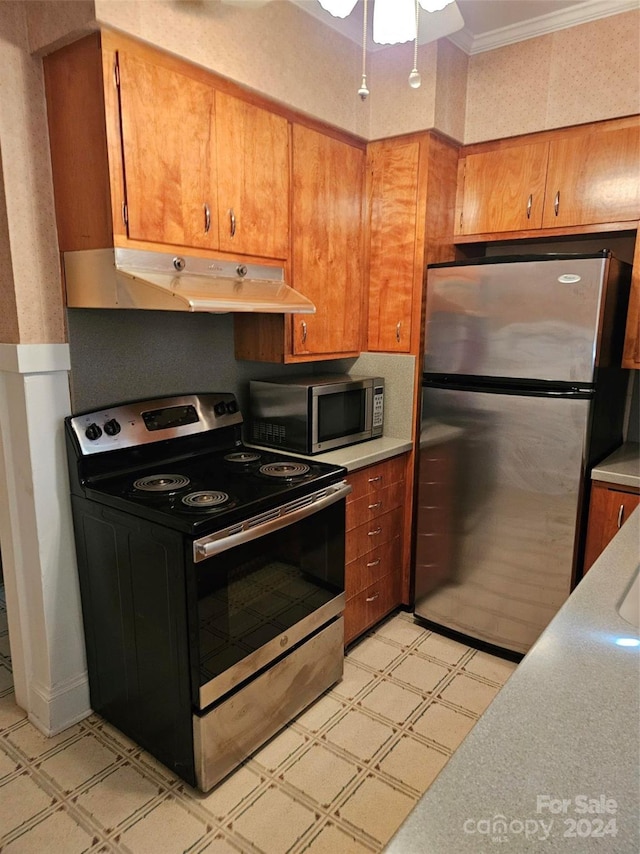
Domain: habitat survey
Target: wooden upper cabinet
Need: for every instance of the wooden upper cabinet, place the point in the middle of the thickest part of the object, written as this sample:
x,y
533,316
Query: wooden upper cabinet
x,y
594,177
252,146
327,245
147,148
503,190
169,156
631,355
574,178
394,181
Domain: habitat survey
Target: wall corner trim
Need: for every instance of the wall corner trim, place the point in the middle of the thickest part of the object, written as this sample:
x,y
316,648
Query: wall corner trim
x,y
34,358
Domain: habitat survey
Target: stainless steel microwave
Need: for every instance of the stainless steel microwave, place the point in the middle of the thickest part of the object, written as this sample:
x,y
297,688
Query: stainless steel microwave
x,y
310,415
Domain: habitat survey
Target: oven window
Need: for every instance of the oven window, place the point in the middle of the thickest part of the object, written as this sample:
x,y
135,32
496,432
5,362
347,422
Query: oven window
x,y
341,414
255,592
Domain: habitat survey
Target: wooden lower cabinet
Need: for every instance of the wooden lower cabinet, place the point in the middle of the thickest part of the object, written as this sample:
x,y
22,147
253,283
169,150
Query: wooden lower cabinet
x,y
369,606
609,508
374,543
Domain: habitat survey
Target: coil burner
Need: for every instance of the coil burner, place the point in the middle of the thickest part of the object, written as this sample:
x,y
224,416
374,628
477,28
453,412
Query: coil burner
x,y
205,500
242,457
285,470
165,483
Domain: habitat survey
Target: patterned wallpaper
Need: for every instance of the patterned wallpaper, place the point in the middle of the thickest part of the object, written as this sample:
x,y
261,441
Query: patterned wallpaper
x,y
580,74
28,239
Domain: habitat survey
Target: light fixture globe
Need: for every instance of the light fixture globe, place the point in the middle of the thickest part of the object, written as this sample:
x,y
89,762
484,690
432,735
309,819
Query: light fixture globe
x,y
338,8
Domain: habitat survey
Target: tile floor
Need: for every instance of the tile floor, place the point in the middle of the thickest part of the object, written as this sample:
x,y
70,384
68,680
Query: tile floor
x,y
338,780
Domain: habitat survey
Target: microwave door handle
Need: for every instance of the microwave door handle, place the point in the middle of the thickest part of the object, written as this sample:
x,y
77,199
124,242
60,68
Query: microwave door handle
x,y
280,517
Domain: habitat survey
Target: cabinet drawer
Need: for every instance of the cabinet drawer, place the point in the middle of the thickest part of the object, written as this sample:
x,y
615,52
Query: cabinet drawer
x,y
370,480
371,605
368,507
372,566
373,534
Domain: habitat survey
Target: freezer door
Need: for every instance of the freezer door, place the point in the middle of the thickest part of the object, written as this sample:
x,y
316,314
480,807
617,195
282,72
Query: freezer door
x,y
498,501
528,319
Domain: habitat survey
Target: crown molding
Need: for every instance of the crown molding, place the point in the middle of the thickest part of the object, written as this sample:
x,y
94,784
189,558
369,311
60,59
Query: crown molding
x,y
590,10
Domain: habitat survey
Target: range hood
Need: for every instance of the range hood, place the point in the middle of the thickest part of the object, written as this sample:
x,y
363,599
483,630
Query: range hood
x,y
131,278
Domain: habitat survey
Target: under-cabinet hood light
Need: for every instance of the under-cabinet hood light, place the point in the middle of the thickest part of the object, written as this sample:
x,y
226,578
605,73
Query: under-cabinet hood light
x,y
128,278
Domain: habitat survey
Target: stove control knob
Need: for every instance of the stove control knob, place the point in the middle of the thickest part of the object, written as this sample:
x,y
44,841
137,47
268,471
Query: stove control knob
x,y
93,432
219,408
112,428
232,407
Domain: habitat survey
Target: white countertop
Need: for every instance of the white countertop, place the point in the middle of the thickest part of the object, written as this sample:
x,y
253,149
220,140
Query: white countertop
x,y
564,727
357,456
621,467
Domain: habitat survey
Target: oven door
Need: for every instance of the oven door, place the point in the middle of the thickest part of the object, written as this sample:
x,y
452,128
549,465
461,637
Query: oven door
x,y
264,586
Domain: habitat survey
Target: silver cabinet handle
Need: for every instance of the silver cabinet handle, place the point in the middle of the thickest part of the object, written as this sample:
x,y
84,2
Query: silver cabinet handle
x,y
620,515
556,203
207,218
398,325
529,204
304,332
374,533
372,598
375,562
375,479
375,506
232,223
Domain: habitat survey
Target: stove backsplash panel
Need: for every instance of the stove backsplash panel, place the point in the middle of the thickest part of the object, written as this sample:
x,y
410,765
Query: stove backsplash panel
x,y
117,356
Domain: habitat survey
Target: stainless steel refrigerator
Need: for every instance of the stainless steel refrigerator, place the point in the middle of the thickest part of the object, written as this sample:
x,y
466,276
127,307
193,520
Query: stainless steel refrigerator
x,y
521,395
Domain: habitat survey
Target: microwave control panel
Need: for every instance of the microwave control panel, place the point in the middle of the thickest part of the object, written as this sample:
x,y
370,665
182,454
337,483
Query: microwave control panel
x,y
378,410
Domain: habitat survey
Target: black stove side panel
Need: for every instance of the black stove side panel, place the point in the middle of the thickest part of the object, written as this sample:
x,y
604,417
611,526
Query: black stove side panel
x,y
132,587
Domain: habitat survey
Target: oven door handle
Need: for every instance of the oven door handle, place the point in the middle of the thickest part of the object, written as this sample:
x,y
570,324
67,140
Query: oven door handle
x,y
266,523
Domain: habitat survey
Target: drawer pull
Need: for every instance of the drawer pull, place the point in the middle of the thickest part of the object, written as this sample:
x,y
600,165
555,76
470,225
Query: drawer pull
x,y
374,533
620,515
375,506
556,203
375,562
372,598
529,205
376,479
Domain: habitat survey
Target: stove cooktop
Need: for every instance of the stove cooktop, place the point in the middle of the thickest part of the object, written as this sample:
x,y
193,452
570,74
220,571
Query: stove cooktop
x,y
180,462
210,491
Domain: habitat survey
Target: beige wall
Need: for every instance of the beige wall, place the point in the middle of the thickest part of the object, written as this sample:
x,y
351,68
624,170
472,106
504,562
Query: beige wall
x,y
30,301
581,74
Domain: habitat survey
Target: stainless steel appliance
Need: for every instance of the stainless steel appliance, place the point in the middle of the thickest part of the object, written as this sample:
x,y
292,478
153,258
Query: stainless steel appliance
x,y
309,415
521,395
164,281
211,577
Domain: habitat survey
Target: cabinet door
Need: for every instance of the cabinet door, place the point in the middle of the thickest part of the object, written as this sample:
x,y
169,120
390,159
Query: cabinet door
x,y
169,162
394,213
371,605
593,178
503,189
327,242
631,357
609,509
252,147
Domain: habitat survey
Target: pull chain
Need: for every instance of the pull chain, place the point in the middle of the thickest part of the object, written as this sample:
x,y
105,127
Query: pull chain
x,y
414,78
363,91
